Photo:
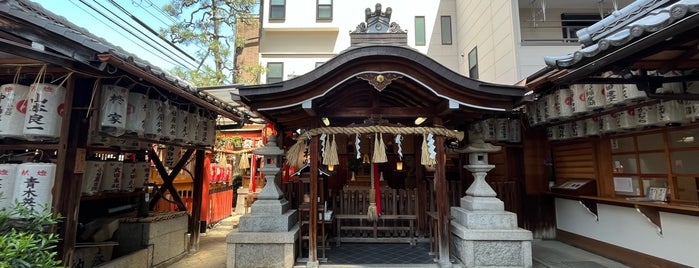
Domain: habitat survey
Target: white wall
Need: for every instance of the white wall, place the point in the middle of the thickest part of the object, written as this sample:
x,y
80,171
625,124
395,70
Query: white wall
x,y
625,227
301,38
487,25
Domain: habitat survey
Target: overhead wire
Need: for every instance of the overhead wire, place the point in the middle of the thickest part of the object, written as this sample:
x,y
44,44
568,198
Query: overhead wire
x,y
132,33
163,56
150,30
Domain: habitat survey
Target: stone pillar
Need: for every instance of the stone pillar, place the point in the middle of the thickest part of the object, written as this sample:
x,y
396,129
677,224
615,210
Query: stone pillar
x,y
483,233
266,236
240,201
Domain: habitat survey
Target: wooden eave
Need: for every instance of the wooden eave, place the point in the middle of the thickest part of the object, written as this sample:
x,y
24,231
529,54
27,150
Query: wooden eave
x,y
424,88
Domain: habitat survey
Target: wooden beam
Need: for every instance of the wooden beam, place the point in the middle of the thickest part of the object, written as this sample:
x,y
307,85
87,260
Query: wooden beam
x,y
169,178
385,112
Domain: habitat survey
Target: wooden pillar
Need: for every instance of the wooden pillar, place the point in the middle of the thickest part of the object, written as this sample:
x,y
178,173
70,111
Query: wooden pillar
x,y
420,182
195,219
67,187
442,201
313,209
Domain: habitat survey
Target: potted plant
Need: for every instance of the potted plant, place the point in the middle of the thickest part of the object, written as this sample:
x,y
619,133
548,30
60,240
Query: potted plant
x,y
26,239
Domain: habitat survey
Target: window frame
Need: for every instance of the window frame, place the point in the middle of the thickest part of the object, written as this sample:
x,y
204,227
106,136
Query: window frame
x,y
449,31
670,176
319,5
420,35
281,77
473,66
279,6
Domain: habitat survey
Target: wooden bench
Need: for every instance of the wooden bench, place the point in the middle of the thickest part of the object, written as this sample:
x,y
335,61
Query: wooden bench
x,y
396,224
374,227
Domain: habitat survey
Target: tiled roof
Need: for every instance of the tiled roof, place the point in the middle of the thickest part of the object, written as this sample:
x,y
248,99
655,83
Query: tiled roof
x,y
639,19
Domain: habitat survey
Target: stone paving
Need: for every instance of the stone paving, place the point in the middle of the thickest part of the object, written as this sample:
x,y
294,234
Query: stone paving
x,y
546,253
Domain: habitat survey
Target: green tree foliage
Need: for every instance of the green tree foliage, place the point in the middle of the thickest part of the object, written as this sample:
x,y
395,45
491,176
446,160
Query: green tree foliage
x,y
26,239
209,25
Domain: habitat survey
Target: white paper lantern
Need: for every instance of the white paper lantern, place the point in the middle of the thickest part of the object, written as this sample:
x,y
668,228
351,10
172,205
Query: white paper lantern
x,y
192,127
170,121
33,185
530,112
565,131
577,129
614,94
515,131
541,110
631,93
172,155
155,119
182,125
671,112
128,182
8,175
552,108
564,102
112,177
45,106
502,128
13,107
692,109
94,170
579,105
647,115
609,123
592,126
115,100
142,174
627,119
211,137
671,88
594,96
136,111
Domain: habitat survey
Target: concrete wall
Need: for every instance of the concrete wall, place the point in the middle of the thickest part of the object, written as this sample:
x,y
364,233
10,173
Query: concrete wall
x,y
299,41
489,26
625,227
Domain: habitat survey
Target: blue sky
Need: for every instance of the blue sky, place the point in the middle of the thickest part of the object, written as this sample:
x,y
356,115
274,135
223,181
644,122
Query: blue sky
x,y
136,39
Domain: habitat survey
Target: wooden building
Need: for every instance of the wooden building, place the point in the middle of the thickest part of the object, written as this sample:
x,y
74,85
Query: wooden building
x,y
623,156
366,96
39,47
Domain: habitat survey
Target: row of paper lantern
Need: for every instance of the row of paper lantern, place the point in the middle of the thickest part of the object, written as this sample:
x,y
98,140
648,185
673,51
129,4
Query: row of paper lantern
x,y
131,113
581,99
659,114
500,129
29,183
220,173
114,176
31,112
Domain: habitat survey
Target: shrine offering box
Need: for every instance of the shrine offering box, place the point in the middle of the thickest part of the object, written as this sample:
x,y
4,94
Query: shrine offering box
x,y
576,187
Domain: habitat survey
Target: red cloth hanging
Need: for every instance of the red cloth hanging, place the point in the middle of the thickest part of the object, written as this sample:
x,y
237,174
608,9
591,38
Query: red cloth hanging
x,y
253,170
377,188
205,189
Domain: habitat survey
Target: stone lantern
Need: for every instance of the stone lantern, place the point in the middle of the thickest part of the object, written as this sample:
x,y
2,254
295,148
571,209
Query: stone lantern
x,y
483,233
270,227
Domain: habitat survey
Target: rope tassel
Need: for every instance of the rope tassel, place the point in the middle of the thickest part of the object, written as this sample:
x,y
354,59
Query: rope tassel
x,y
330,157
379,150
372,211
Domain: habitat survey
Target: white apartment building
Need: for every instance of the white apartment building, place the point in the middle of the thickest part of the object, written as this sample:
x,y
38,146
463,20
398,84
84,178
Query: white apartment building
x,y
500,41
